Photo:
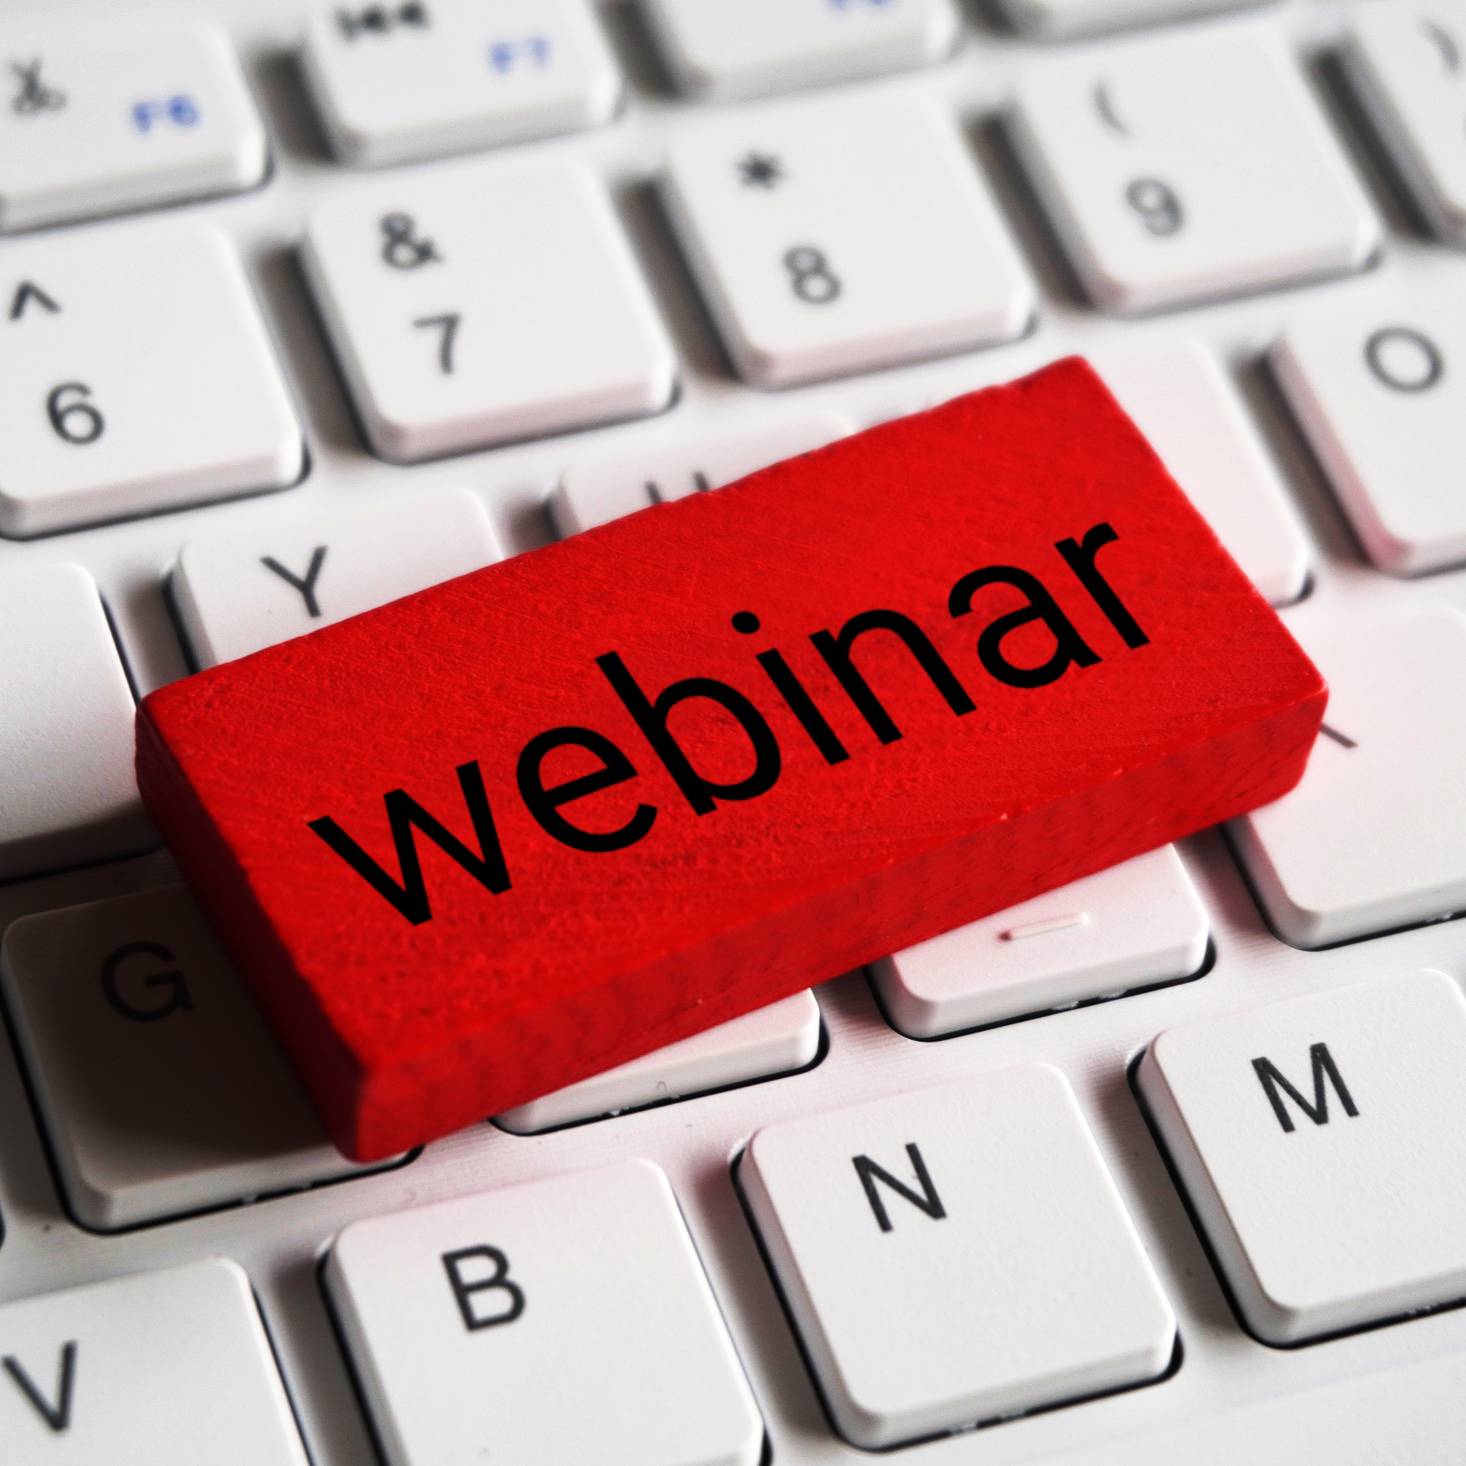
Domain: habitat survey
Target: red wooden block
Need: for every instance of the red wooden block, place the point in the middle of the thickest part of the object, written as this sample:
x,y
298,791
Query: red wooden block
x,y
495,837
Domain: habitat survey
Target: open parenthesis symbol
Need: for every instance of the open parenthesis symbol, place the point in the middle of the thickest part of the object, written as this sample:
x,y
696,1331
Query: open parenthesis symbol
x,y
1445,43
1104,104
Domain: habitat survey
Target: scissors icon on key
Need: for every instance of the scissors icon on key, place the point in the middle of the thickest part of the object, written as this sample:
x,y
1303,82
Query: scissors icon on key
x,y
34,95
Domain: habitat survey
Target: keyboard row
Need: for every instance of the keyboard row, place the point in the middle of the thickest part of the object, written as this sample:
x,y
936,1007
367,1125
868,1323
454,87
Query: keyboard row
x,y
473,304
1368,389
120,117
947,1258
162,1094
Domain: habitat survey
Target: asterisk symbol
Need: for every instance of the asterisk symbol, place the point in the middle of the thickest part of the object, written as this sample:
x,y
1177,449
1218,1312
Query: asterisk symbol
x,y
759,170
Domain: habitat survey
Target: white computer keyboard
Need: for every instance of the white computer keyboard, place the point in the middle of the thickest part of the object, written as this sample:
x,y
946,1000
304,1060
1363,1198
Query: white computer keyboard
x,y
970,1204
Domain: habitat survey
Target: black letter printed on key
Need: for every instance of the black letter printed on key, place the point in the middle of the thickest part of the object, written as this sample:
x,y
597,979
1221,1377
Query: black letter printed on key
x,y
56,1413
497,1281
176,999
1324,1069
305,584
925,1200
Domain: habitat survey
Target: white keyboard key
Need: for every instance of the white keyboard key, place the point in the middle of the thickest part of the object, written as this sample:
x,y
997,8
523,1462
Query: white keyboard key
x,y
1316,1142
1374,837
238,591
475,303
1407,62
169,1368
955,1255
137,377
161,1089
459,1315
1414,1413
717,50
1127,927
405,79
1181,399
1190,166
836,236
598,492
1061,19
1376,388
120,114
66,742
778,1039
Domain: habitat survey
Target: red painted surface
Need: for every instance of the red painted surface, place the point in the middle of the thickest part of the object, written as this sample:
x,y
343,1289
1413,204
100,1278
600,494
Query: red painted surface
x,y
1196,708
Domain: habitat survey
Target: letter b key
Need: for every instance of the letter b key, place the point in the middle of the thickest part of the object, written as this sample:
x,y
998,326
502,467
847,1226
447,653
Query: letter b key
x,y
457,1315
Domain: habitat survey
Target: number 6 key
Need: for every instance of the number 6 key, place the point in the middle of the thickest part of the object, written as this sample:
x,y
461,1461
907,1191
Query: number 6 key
x,y
135,376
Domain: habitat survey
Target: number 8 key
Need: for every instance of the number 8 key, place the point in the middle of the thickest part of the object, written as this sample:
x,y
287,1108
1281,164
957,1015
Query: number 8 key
x,y
842,235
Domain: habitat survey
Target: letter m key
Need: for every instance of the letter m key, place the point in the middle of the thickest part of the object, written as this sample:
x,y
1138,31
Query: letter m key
x,y
1325,1074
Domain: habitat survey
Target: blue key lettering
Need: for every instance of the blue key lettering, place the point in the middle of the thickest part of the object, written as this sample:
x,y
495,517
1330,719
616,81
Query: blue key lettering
x,y
179,110
507,56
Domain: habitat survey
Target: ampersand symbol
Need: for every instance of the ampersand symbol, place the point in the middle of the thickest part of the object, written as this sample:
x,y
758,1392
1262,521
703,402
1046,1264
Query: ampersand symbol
x,y
400,249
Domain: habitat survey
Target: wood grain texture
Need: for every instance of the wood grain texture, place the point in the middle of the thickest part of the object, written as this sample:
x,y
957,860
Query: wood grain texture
x,y
404,1032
